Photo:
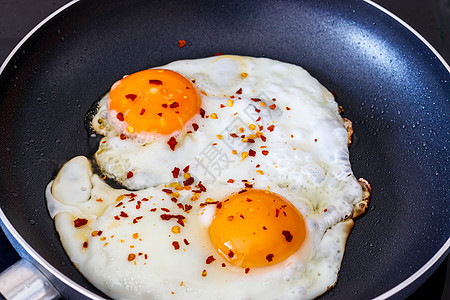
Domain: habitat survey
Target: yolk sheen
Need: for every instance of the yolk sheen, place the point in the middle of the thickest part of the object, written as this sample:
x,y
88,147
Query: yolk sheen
x,y
156,101
257,228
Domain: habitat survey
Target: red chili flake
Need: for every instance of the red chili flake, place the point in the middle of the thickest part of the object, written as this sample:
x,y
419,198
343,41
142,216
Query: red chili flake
x,y
174,199
255,99
144,199
131,256
264,228
99,233
230,254
167,191
249,185
123,136
131,96
165,209
142,111
242,191
265,152
315,140
181,43
119,117
271,128
204,273
138,205
288,236
202,112
223,265
116,217
186,169
129,175
249,200
273,106
176,245
288,108
269,257
155,81
159,114
201,187
135,220
241,216
230,180
140,253
172,142
123,214
187,208
259,119
119,204
145,256
218,54
175,172
153,209
258,165
188,181
263,138
164,105
180,206
257,110
277,213
247,270
80,222
222,106
210,259
325,210
174,105
234,135
195,126
186,242
167,217
131,195
85,244
219,205
239,91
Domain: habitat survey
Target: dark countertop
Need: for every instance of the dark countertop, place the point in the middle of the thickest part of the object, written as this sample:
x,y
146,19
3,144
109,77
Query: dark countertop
x,y
430,18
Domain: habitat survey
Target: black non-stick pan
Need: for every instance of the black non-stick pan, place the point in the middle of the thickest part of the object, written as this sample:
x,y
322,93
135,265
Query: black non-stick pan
x,y
392,86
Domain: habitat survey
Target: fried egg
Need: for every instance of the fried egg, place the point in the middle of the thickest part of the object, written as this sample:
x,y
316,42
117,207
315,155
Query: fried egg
x,y
237,185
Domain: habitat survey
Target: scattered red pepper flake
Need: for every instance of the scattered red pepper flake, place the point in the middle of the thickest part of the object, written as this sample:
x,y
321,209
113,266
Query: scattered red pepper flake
x,y
242,191
277,213
119,204
155,81
222,106
119,117
129,175
271,128
269,257
315,140
257,110
265,152
131,256
167,217
195,126
325,210
167,191
153,209
188,181
186,169
287,235
175,172
172,142
181,43
247,270
223,265
201,186
230,180
255,99
204,273
164,105
123,214
187,208
273,106
145,256
79,222
186,242
230,254
174,105
116,217
288,108
259,119
138,205
219,53
165,209
85,244
210,259
142,111
249,185
123,136
202,112
176,245
131,96
159,114
219,205
174,199
135,220
239,91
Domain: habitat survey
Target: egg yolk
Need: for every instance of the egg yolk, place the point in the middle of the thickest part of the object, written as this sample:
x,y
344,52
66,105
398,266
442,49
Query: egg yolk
x,y
256,228
155,101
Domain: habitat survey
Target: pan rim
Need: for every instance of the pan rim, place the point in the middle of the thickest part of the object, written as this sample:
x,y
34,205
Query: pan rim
x,y
444,250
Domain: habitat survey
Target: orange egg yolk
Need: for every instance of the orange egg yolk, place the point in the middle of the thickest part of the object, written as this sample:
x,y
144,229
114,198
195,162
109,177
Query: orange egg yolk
x,y
155,101
256,228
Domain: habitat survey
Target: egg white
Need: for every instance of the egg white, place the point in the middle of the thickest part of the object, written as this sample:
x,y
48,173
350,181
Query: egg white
x,y
306,162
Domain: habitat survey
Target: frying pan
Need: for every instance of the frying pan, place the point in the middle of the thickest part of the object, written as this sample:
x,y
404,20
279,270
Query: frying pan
x,y
392,86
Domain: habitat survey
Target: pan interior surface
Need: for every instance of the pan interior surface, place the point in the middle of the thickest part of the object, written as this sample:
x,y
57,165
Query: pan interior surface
x,y
390,85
